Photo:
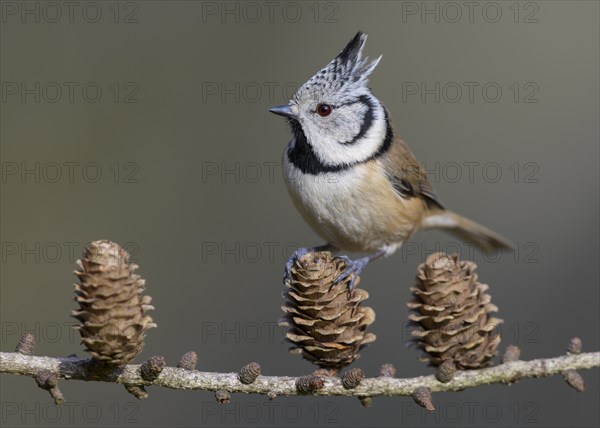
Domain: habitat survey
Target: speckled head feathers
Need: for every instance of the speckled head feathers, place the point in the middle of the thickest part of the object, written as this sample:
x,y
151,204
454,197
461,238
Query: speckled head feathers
x,y
347,72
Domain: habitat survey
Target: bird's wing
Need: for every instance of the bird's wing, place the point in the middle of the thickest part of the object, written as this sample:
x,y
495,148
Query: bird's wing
x,y
407,175
409,186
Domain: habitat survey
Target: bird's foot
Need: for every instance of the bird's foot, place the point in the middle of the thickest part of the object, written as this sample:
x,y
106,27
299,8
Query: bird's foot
x,y
299,253
354,268
287,274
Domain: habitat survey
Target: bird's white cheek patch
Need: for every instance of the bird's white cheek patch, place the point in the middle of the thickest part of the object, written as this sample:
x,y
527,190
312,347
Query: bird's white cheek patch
x,y
331,152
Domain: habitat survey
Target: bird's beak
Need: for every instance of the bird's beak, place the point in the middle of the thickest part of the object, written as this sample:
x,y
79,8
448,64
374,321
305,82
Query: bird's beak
x,y
285,111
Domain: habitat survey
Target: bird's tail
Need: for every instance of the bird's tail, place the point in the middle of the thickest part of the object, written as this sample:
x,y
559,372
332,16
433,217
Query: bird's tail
x,y
465,229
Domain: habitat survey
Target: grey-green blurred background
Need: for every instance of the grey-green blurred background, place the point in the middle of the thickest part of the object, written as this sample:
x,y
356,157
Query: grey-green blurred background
x,y
178,159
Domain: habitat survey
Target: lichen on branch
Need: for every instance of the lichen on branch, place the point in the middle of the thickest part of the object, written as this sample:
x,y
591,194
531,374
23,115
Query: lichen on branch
x,y
72,368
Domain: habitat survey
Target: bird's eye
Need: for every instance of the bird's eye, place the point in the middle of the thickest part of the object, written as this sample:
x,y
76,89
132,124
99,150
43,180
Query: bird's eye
x,y
324,110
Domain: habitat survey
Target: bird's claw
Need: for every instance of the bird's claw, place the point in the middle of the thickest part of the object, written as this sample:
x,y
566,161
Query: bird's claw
x,y
354,268
287,274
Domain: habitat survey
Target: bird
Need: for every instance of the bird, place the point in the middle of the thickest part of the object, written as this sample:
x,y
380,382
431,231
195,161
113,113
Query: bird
x,y
352,177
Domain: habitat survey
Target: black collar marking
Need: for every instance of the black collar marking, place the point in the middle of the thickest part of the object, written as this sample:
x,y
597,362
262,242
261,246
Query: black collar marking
x,y
303,157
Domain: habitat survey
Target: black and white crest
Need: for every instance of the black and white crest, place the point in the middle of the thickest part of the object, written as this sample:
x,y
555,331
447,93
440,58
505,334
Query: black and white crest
x,y
347,72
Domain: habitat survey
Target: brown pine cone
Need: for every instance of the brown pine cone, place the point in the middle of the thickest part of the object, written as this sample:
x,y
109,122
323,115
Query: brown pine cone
x,y
451,312
326,324
112,308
